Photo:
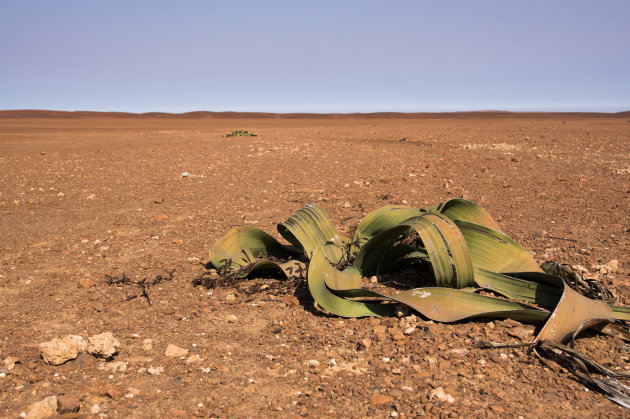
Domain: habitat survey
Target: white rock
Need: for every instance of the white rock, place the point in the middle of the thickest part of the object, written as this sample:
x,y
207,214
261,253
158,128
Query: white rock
x,y
608,268
10,362
441,395
116,366
613,265
80,341
60,350
147,345
312,363
580,270
193,359
174,351
95,409
232,318
43,409
155,371
103,345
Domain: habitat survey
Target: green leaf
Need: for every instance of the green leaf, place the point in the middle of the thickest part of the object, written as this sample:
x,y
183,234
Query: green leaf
x,y
494,251
383,219
520,289
449,305
459,209
320,271
242,246
311,228
457,248
378,254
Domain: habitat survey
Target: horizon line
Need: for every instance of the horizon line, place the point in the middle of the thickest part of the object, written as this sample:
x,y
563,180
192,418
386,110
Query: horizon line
x,y
200,113
490,110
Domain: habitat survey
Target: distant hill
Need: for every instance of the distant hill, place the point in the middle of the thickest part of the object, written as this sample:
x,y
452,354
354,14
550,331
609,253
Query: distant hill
x,y
33,113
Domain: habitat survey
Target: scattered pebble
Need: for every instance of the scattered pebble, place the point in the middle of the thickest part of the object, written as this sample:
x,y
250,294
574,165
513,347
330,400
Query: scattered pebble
x,y
110,390
366,343
382,399
608,268
9,362
155,370
398,335
160,217
116,366
147,345
67,403
194,359
85,283
232,318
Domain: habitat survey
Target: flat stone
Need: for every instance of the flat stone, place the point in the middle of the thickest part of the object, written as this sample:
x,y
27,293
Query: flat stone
x,y
85,283
174,351
366,343
116,366
382,399
193,359
43,409
440,394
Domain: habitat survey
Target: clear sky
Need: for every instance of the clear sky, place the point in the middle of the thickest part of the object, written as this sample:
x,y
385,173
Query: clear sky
x,y
314,56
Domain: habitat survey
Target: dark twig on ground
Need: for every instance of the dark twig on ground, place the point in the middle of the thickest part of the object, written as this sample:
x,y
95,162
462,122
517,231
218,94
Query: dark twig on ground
x,y
144,284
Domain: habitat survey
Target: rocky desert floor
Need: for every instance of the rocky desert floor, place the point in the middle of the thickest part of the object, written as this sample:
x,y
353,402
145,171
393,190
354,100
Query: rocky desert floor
x,y
86,200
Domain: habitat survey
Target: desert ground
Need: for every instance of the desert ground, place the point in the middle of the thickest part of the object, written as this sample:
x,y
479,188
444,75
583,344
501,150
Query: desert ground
x,y
86,198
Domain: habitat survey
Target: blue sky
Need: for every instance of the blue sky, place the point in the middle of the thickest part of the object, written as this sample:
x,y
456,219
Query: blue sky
x,y
317,56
